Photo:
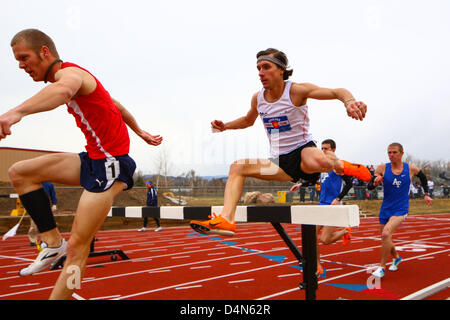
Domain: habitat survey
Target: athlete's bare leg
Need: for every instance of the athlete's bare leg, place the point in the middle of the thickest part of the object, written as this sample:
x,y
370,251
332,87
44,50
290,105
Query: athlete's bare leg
x,y
239,170
315,160
387,246
90,215
328,236
27,175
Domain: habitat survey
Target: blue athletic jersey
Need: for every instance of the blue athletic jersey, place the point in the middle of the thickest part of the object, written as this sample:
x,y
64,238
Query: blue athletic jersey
x,y
330,187
396,192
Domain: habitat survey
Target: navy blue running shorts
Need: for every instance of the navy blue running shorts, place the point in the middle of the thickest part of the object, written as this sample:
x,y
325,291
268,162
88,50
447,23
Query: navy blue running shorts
x,y
98,175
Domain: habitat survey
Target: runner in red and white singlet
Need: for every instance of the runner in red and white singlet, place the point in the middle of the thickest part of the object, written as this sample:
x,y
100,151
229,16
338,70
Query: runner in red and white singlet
x,y
103,171
100,120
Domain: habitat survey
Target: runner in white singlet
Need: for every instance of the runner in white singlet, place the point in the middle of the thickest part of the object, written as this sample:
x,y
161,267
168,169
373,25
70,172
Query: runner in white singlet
x,y
282,106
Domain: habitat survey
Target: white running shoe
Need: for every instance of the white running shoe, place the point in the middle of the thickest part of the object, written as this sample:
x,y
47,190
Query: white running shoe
x,y
380,272
395,263
158,229
142,229
45,259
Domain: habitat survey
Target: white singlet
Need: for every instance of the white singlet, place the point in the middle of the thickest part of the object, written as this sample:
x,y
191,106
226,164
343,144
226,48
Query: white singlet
x,y
287,126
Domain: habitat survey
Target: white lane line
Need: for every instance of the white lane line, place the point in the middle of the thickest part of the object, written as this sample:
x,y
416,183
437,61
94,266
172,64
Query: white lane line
x,y
189,287
106,298
78,297
24,285
159,271
239,281
18,258
334,269
341,276
126,274
288,275
238,263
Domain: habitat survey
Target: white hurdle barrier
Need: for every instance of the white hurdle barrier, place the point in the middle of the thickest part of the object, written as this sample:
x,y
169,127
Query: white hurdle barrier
x,y
307,216
337,216
11,195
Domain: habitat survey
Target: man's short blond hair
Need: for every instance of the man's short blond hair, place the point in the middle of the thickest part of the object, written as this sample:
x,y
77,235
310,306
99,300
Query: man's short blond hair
x,y
398,145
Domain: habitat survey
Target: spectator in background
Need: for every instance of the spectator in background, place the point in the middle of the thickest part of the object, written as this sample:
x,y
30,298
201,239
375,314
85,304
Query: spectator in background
x,y
413,191
312,189
33,231
430,187
301,185
358,186
419,190
152,201
302,192
446,191
318,186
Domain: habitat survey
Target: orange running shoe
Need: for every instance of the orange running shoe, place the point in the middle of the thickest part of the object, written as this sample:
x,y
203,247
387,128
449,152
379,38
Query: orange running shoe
x,y
217,225
319,271
346,238
357,170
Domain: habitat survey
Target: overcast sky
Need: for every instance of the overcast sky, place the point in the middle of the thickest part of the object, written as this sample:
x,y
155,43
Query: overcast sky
x,y
178,65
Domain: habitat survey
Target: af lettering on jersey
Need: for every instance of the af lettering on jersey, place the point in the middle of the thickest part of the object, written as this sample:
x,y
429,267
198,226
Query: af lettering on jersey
x,y
396,183
323,177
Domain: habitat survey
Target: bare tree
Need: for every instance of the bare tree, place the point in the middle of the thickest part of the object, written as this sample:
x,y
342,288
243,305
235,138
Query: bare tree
x,y
435,170
163,165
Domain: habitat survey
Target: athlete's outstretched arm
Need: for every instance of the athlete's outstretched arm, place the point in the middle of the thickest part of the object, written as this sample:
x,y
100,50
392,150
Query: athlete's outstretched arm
x,y
67,84
240,123
355,109
132,123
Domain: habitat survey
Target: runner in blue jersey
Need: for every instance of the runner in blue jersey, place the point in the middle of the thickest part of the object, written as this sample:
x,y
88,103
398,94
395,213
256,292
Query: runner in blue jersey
x,y
396,177
333,188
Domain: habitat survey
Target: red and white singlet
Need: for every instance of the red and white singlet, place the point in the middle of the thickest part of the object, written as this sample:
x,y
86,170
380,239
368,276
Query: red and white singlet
x,y
100,120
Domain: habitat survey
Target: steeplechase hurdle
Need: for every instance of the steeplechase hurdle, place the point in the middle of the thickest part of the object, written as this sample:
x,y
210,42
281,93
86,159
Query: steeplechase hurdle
x,y
92,253
11,195
307,216
19,210
60,263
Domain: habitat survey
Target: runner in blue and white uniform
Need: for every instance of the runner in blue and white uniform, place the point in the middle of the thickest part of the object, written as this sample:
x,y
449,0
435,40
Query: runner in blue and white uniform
x,y
396,177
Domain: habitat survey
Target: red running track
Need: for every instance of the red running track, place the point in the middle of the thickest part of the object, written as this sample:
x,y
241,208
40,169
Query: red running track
x,y
255,264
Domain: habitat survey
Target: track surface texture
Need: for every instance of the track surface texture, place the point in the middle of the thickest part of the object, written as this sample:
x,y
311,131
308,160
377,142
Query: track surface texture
x,y
255,264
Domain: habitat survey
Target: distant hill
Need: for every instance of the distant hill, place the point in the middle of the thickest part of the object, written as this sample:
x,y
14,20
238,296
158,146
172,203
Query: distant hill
x,y
209,178
182,180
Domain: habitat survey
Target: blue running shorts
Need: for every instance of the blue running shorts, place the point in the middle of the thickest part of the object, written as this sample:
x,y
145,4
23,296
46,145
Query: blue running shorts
x,y
98,175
